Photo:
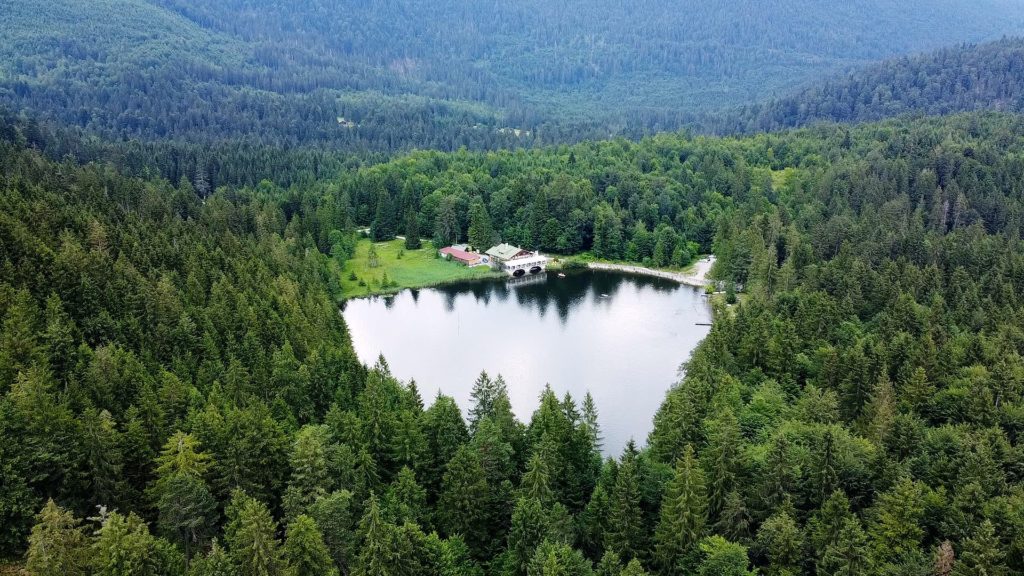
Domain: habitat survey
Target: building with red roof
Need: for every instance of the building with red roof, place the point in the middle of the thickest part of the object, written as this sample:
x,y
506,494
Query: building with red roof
x,y
461,256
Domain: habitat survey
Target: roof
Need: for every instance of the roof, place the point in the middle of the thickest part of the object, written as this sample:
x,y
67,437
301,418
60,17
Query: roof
x,y
504,251
460,254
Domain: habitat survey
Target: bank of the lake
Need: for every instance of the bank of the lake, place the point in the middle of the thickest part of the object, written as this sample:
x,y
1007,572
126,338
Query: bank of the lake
x,y
695,275
390,268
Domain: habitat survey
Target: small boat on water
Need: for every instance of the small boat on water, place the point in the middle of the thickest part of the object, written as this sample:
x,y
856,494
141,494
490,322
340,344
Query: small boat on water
x,y
561,275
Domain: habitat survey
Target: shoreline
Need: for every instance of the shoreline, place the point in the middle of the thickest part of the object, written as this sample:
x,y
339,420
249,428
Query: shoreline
x,y
698,279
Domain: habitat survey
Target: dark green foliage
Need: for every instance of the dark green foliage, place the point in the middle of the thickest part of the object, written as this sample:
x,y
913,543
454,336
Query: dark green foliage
x,y
857,412
518,73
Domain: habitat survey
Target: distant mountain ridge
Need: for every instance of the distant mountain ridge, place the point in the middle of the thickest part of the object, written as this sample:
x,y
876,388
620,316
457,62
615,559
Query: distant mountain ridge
x,y
387,76
957,79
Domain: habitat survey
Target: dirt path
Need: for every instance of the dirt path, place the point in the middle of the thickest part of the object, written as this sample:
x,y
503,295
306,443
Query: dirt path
x,y
697,277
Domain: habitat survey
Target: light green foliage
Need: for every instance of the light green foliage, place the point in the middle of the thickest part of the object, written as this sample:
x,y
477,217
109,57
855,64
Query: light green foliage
x,y
251,536
57,545
780,540
719,557
304,549
216,562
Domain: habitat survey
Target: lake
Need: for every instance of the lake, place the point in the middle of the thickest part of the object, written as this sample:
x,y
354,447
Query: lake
x,y
622,337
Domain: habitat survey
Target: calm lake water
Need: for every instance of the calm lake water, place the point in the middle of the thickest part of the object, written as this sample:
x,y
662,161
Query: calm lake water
x,y
621,337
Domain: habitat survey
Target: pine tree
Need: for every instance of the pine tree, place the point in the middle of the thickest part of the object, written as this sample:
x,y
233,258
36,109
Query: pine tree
x,y
57,545
304,549
683,513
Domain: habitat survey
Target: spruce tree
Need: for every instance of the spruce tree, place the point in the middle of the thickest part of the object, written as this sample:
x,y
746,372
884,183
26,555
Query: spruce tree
x,y
412,231
405,501
723,447
334,515
464,498
683,513
378,555
781,541
304,549
625,532
536,481
251,538
57,545
187,512
981,554
215,563
847,554
610,565
719,557
310,477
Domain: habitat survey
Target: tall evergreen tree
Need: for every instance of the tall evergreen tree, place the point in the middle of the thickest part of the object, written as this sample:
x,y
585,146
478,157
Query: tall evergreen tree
x,y
412,231
251,538
305,551
683,514
462,508
847,554
57,545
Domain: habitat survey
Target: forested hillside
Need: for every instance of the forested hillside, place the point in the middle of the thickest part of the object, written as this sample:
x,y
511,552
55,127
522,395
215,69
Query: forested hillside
x,y
180,395
958,79
387,76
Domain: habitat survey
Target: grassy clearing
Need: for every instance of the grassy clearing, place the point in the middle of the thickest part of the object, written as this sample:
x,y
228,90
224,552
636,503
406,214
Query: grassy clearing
x,y
398,268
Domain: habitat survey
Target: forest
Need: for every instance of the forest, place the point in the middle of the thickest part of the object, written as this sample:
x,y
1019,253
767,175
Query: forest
x,y
411,74
180,396
950,80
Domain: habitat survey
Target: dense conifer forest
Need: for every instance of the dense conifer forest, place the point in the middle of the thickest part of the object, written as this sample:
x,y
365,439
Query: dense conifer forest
x,y
180,396
404,74
956,79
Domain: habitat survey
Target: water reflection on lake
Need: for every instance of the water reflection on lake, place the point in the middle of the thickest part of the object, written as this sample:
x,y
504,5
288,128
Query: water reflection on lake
x,y
621,337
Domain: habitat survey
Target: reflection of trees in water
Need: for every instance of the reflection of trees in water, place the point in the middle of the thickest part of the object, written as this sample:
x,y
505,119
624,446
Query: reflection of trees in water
x,y
561,293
